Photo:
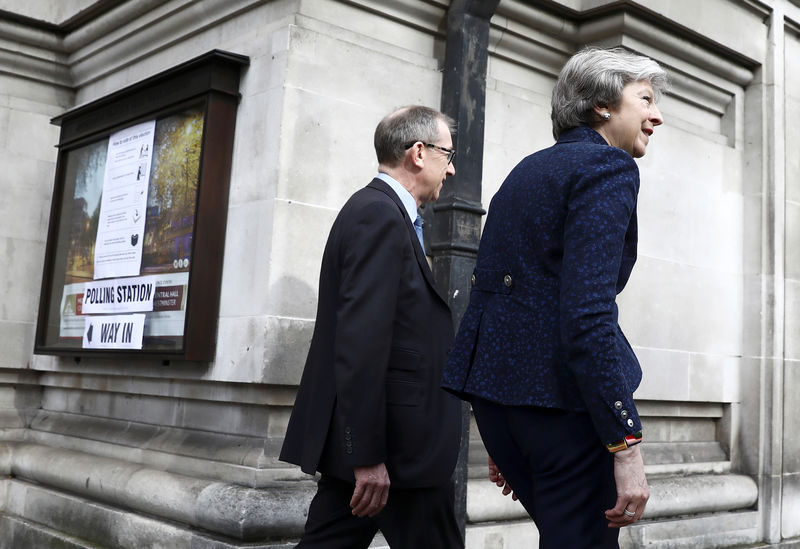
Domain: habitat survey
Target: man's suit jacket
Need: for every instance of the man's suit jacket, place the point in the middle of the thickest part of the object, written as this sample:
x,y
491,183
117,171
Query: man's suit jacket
x,y
370,391
541,326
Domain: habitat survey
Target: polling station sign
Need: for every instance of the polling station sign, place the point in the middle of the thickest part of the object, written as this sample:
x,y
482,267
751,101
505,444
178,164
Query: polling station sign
x,y
114,332
119,295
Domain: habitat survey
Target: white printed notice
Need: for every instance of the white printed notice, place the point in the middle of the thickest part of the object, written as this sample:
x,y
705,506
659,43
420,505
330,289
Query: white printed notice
x,y
119,295
114,332
118,248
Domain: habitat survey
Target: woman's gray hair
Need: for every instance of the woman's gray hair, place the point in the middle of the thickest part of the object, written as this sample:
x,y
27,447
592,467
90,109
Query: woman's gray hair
x,y
596,76
407,125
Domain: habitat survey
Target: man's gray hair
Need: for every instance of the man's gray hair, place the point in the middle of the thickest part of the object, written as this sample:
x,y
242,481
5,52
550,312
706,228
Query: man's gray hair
x,y
595,76
407,125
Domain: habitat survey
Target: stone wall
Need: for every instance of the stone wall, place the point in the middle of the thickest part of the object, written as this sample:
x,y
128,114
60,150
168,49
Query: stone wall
x,y
147,454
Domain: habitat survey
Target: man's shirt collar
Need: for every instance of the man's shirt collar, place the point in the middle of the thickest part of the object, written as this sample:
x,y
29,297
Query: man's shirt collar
x,y
405,197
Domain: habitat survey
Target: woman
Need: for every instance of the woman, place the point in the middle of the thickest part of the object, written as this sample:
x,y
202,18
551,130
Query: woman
x,y
539,353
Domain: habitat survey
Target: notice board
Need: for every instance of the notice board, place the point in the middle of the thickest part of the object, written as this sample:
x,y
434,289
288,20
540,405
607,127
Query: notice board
x,y
137,225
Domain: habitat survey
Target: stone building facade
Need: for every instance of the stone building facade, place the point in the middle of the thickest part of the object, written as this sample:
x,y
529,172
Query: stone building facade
x,y
139,453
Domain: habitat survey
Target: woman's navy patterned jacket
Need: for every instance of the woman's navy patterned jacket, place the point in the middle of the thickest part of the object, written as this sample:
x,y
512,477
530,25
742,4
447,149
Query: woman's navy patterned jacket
x,y
541,326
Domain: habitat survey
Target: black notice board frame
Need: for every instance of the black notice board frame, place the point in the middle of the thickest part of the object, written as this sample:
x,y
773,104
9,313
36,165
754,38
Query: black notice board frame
x,y
208,84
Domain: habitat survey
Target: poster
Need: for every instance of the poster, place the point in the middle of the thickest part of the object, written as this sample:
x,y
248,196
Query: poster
x,y
119,295
166,316
113,332
166,242
123,206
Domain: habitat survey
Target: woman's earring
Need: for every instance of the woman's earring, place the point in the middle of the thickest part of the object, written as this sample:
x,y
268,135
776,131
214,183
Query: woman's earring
x,y
606,115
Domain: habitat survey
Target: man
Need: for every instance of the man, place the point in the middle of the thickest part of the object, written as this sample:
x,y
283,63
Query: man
x,y
370,415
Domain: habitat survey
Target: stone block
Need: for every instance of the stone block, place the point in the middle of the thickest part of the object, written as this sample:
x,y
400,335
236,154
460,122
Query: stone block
x,y
222,417
254,171
675,306
187,413
16,532
752,246
327,152
248,252
294,277
518,108
36,97
791,318
792,142
5,113
680,112
736,529
21,273
792,233
739,28
337,65
682,452
498,161
27,185
714,378
673,496
486,503
377,28
665,374
679,429
120,406
791,420
502,535
240,350
791,70
286,347
526,84
790,504
241,513
16,344
56,520
757,297
690,212
34,136
268,49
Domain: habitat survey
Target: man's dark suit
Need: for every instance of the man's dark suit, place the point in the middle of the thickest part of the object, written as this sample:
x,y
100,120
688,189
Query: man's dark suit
x,y
370,390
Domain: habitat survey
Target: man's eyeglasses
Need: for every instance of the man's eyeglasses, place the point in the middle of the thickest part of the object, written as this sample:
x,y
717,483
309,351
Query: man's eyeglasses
x,y
451,153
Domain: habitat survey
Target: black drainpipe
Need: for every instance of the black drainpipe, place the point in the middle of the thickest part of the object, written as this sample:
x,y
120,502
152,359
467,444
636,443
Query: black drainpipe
x,y
453,223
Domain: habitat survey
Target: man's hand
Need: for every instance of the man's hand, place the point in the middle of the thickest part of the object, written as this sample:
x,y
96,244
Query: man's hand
x,y
632,490
372,490
497,477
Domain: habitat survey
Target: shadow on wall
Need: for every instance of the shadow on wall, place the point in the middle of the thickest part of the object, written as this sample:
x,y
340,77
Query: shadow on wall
x,y
288,334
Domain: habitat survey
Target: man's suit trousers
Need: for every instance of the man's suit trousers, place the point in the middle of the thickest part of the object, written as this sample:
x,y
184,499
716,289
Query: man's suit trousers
x,y
419,518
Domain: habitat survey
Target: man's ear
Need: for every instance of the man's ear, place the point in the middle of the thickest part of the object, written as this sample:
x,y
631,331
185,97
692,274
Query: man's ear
x,y
415,155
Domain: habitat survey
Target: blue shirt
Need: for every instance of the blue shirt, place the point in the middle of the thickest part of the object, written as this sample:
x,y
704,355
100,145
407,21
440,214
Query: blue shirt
x,y
405,197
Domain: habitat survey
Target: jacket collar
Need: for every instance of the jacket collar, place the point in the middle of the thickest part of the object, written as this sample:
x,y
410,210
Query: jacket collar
x,y
382,186
581,133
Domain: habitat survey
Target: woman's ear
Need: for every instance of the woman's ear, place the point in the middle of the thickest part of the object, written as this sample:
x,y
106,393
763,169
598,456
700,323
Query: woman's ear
x,y
601,111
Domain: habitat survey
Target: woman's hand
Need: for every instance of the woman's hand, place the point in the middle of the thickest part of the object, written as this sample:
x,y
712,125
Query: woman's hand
x,y
632,489
497,477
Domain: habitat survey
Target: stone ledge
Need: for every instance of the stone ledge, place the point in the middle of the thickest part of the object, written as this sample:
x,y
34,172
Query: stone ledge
x,y
669,497
37,516
706,532
242,513
18,532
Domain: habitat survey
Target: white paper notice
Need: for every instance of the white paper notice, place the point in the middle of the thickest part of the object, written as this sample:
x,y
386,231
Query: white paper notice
x,y
119,295
118,248
113,332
